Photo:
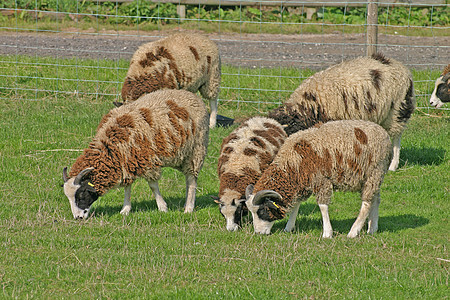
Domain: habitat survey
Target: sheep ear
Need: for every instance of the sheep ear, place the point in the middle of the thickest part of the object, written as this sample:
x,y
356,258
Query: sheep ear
x,y
81,175
216,199
249,190
261,196
65,177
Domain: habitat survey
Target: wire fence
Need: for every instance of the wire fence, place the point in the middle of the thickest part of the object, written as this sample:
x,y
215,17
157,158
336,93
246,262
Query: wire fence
x,y
83,49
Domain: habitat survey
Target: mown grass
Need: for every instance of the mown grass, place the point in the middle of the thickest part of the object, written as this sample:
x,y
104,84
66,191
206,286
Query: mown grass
x,y
148,254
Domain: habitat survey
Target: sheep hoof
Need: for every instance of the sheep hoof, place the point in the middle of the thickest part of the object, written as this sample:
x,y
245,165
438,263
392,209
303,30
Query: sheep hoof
x,y
125,211
163,209
352,235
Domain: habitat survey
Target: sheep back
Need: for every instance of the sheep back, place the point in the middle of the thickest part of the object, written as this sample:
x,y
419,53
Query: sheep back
x,y
376,89
180,61
245,153
343,153
167,128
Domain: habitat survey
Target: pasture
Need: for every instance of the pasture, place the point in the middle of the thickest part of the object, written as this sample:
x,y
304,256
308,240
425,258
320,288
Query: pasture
x,y
148,254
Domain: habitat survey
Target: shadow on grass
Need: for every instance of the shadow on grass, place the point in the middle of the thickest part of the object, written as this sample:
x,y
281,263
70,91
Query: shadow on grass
x,y
173,203
424,156
385,224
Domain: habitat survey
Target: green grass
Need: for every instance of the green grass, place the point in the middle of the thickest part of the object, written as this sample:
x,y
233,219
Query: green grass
x,y
148,254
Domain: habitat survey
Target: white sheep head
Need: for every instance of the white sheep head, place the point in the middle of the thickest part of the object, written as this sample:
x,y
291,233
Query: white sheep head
x,y
233,210
81,193
441,92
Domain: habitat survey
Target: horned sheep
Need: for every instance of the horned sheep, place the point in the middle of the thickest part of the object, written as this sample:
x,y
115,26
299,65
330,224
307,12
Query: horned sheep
x,y
167,128
441,92
179,61
376,88
245,153
348,155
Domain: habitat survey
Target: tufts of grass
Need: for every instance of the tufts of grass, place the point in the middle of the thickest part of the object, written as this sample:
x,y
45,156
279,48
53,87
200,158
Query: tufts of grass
x,y
148,254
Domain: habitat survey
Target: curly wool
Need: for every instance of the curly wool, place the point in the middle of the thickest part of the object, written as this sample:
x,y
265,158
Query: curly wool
x,y
180,61
377,89
162,129
338,154
246,153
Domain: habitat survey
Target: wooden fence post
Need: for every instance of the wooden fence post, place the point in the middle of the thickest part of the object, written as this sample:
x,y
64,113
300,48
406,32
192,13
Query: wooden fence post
x,y
372,27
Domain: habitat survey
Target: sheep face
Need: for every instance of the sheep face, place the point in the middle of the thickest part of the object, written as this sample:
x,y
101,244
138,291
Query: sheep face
x,y
233,211
264,209
441,91
80,192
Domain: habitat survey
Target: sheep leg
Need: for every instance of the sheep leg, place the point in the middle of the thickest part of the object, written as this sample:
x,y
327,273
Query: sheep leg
x,y
213,115
162,205
396,153
191,186
126,201
327,229
359,223
292,217
373,214
210,91
323,197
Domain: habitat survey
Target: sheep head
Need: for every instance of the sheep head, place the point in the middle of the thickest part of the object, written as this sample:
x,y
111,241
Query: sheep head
x,y
233,209
80,192
441,93
264,208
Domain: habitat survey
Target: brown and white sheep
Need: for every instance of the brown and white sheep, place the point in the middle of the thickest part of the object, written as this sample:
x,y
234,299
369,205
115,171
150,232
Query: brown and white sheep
x,y
349,155
167,128
375,88
181,61
245,153
441,92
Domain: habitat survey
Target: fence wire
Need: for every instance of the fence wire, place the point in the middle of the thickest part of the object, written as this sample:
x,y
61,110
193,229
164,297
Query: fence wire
x,y
83,50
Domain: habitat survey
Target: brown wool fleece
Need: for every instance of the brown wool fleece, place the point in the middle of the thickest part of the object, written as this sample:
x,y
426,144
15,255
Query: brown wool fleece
x,y
340,154
136,140
180,61
245,154
446,70
376,89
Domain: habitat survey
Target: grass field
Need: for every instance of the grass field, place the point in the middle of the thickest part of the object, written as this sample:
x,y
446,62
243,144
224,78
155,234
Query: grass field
x,y
46,254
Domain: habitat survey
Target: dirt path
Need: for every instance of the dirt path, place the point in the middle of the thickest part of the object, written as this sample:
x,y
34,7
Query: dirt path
x,y
249,50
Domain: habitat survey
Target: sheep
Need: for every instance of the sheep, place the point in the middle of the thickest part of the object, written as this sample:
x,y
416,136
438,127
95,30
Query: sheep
x,y
245,153
346,155
375,88
441,91
180,61
166,128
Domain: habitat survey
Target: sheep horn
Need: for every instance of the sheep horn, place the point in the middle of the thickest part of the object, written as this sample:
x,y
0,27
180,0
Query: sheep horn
x,y
81,175
261,196
65,177
249,191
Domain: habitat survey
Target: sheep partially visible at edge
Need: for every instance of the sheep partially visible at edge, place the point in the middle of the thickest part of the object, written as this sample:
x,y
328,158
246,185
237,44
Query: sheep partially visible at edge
x,y
376,88
245,153
441,92
167,128
349,155
180,61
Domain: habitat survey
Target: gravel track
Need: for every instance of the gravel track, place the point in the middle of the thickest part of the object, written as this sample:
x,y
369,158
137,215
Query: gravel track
x,y
248,50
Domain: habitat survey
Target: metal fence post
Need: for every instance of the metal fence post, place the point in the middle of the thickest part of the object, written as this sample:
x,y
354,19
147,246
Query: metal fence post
x,y
372,27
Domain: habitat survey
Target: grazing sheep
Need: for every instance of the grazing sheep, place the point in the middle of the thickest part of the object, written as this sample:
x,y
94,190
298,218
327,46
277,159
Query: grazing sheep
x,y
441,91
167,128
244,155
181,61
349,155
376,89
